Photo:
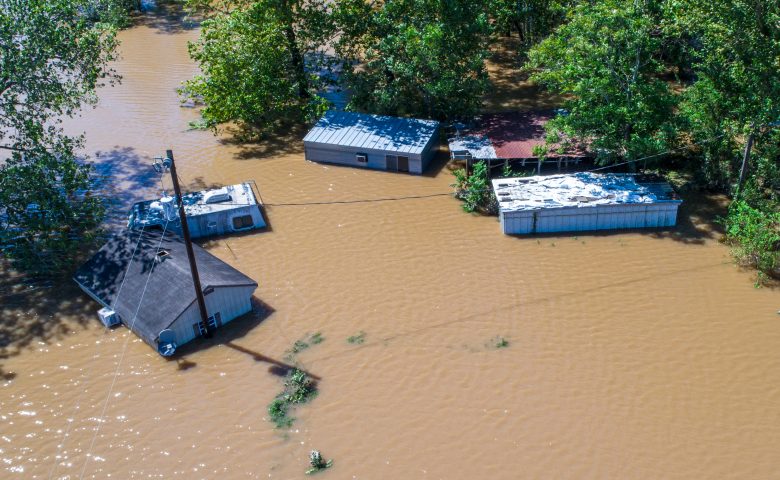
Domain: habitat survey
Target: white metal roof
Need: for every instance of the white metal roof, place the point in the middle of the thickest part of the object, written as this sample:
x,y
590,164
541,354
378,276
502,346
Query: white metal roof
x,y
235,196
372,132
574,190
478,146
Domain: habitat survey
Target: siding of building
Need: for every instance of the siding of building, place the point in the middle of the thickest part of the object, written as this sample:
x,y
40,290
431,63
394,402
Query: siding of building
x,y
597,217
221,223
230,302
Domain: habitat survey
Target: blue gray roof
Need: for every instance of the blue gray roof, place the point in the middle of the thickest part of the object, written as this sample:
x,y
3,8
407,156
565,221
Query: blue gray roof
x,y
372,132
154,291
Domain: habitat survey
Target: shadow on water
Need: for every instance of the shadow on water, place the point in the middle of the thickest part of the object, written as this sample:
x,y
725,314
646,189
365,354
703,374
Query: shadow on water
x,y
232,331
36,310
124,178
286,142
277,367
166,17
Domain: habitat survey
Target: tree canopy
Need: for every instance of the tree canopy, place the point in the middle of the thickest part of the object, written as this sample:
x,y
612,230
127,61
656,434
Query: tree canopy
x,y
606,60
52,58
415,57
259,63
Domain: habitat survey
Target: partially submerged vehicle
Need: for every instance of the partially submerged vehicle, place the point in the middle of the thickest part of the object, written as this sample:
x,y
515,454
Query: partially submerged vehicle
x,y
219,211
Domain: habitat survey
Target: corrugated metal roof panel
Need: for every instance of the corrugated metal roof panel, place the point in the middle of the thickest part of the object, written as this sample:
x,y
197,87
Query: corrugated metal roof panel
x,y
373,132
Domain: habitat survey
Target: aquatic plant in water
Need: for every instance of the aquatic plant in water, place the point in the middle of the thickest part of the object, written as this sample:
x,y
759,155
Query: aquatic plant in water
x,y
303,344
317,462
298,388
498,342
357,339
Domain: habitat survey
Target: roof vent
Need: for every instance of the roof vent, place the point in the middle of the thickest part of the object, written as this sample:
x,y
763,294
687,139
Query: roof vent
x,y
217,196
162,255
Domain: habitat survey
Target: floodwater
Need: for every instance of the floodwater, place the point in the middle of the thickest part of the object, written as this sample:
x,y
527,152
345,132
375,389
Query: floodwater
x,y
632,355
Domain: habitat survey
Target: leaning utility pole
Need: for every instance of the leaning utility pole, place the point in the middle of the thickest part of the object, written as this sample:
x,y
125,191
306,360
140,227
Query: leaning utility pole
x,y
185,230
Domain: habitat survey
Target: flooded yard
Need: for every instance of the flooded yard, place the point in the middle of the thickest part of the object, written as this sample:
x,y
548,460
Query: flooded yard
x,y
630,355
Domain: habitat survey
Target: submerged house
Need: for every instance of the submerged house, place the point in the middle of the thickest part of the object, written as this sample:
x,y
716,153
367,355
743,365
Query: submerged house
x,y
143,280
219,211
373,141
584,201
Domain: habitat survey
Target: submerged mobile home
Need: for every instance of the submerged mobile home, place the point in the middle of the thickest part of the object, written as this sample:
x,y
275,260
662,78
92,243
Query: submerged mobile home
x,y
143,280
219,211
584,201
373,141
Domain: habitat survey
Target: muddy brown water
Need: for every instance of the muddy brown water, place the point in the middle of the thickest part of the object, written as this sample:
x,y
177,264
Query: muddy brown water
x,y
632,355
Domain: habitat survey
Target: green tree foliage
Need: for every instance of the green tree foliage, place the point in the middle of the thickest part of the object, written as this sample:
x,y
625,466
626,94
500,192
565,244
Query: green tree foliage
x,y
259,61
606,60
415,57
49,213
52,58
475,190
735,56
755,236
533,20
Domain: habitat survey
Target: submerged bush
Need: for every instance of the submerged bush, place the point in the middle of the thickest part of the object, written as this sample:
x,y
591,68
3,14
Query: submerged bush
x,y
475,190
754,234
317,462
298,388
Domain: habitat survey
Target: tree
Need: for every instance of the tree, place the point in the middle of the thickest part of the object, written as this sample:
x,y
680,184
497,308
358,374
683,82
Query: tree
x,y
735,97
533,20
259,61
606,61
734,56
415,57
52,58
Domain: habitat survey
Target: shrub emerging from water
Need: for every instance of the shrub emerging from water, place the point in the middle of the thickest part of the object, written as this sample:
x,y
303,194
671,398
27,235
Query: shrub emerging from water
x,y
303,344
317,462
357,339
754,235
475,190
498,342
298,388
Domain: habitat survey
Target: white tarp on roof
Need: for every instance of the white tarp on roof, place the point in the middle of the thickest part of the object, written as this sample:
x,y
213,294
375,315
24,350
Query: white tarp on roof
x,y
478,146
570,190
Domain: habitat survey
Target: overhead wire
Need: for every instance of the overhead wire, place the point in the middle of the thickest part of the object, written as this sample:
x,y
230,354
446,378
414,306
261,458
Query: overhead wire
x,y
61,444
447,194
121,357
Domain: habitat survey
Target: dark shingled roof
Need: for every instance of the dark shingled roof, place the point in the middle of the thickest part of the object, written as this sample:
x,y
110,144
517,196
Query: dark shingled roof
x,y
170,290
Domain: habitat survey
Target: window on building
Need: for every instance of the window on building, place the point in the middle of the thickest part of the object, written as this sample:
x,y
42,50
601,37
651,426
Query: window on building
x,y
215,321
199,329
244,221
361,157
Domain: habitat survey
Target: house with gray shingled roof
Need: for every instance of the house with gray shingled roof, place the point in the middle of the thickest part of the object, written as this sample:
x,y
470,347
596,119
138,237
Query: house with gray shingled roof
x,y
144,277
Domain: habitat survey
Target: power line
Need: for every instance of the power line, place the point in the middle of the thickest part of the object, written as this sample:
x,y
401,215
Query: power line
x,y
447,194
121,357
106,329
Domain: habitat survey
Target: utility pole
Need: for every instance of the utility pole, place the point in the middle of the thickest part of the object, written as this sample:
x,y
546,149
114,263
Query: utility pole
x,y
204,316
745,162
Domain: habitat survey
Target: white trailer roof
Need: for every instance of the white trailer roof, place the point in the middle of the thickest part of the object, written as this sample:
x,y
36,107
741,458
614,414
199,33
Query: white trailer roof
x,y
576,190
372,132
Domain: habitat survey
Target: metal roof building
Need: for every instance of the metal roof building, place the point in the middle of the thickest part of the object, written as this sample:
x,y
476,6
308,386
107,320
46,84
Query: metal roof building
x,y
584,201
372,141
153,292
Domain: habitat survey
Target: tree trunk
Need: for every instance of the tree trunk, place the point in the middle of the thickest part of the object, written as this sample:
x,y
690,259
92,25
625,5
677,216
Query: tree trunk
x,y
297,63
